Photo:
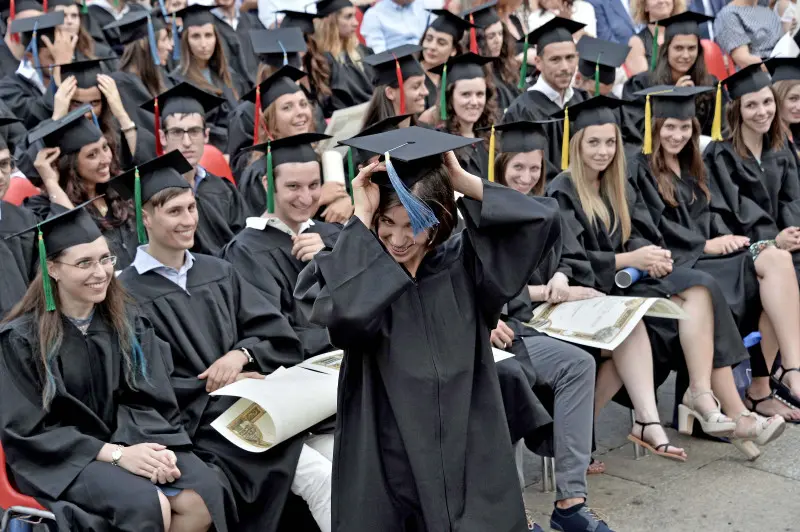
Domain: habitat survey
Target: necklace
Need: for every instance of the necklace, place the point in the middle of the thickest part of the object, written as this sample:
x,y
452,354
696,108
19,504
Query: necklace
x,y
103,209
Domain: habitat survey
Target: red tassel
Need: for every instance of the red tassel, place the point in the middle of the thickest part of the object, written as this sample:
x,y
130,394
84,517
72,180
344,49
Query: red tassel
x,y
399,74
159,147
473,36
44,6
258,115
12,15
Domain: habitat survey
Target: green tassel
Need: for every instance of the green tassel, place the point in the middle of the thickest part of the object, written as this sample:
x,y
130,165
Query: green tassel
x,y
85,7
49,301
654,57
351,173
597,75
443,95
137,198
270,182
523,69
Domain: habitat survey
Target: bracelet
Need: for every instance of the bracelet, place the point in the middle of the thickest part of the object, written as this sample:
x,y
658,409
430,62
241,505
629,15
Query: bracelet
x,y
131,127
246,352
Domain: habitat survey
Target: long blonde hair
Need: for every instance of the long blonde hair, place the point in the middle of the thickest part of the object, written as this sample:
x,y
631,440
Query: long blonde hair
x,y
640,15
612,188
326,35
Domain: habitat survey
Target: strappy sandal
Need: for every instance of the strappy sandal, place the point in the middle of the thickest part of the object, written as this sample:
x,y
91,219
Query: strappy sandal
x,y
596,467
713,422
764,431
783,391
755,402
655,449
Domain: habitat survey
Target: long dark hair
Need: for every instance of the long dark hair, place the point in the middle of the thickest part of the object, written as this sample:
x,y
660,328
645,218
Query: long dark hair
x,y
501,163
49,333
436,191
318,69
662,75
218,65
488,116
690,158
380,107
775,134
136,59
506,64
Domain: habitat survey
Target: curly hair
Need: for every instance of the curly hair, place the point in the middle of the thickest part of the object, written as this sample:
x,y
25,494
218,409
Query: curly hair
x,y
319,71
488,117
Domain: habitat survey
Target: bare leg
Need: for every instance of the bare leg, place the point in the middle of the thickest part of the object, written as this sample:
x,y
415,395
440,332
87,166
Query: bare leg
x,y
190,513
606,386
760,386
166,510
697,340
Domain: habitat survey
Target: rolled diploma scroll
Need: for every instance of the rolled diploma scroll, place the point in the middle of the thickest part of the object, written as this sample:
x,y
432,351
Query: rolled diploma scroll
x,y
628,276
333,167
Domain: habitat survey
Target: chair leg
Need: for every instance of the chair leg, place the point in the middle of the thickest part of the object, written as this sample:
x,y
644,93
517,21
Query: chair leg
x,y
548,474
638,451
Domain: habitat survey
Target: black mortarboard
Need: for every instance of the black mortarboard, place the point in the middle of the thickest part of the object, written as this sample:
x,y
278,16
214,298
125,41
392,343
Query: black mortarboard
x,y
85,71
385,65
600,58
70,133
555,30
328,7
464,66
784,68
411,154
183,98
674,102
686,23
449,23
298,19
45,26
482,16
66,3
596,111
749,79
19,7
284,81
279,47
195,15
522,136
133,26
146,180
387,124
294,149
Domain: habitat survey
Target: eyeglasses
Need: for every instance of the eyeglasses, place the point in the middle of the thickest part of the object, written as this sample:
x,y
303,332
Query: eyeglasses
x,y
8,165
88,264
176,133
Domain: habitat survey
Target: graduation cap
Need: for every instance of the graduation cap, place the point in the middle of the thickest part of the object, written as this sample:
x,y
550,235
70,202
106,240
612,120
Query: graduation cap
x,y
282,82
195,15
387,124
329,7
670,102
5,121
279,47
686,23
595,111
298,19
411,153
67,228
85,71
557,29
12,8
784,68
749,79
294,149
518,137
457,68
482,16
137,25
70,132
50,4
146,180
451,24
600,59
33,29
394,66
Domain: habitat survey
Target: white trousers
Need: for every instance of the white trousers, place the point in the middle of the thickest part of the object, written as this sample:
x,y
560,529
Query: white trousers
x,y
313,477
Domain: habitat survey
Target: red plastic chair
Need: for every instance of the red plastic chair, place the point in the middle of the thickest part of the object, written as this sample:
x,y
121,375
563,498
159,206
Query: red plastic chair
x,y
214,161
716,60
359,18
9,496
19,189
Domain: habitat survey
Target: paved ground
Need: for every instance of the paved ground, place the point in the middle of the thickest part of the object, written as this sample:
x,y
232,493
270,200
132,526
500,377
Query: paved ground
x,y
715,490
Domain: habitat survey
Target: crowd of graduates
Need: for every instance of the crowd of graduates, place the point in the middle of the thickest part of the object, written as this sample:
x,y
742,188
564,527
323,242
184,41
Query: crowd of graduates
x,y
490,174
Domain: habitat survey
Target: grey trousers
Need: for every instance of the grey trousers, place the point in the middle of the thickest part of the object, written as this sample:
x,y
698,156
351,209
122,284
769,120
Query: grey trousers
x,y
570,372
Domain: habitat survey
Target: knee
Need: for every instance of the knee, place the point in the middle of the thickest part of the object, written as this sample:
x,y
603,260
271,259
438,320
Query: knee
x,y
774,258
190,503
583,364
695,293
166,510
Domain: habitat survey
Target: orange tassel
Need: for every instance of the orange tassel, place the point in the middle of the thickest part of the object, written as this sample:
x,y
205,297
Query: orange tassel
x,y
473,37
399,74
157,123
258,115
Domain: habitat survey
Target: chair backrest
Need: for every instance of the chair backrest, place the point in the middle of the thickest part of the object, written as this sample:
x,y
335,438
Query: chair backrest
x,y
359,18
9,496
715,60
214,161
19,189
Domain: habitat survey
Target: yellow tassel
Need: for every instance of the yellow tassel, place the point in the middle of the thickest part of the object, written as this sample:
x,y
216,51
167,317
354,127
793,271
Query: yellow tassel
x,y
647,148
491,156
716,125
565,141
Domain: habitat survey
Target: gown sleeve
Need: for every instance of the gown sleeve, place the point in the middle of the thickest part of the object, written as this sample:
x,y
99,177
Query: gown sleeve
x,y
357,282
507,235
789,195
47,454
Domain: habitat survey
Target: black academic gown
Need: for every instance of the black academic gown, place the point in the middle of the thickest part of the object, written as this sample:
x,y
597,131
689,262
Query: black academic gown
x,y
25,100
122,239
100,16
438,458
756,200
249,21
533,105
506,92
475,158
221,211
17,254
235,51
134,93
8,61
432,98
264,259
351,84
52,453
588,259
252,188
217,313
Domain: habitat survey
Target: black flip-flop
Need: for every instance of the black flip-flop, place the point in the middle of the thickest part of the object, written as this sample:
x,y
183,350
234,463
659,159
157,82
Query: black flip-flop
x,y
783,391
756,402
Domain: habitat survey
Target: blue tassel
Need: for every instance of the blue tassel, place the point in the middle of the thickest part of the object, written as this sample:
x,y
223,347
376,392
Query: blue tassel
x,y
420,215
151,37
34,49
285,57
176,41
94,119
163,9
139,361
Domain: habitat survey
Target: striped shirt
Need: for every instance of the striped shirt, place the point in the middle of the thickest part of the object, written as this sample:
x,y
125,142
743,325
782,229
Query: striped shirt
x,y
756,26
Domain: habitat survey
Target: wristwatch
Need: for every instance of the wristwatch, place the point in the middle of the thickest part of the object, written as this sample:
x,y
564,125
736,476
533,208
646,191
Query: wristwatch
x,y
246,352
116,455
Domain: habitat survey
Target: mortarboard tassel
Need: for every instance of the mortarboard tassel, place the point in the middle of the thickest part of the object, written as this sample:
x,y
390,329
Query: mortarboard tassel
x,y
597,75
137,200
49,301
116,4
85,7
11,16
285,56
34,49
654,57
647,147
351,173
94,119
44,6
151,38
473,36
157,127
491,156
258,115
270,181
523,68
176,41
420,215
716,125
400,85
443,94
163,9
565,141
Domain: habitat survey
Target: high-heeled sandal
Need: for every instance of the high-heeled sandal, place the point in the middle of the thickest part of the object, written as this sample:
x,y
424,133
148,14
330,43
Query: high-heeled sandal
x,y
655,449
765,429
755,402
783,391
713,422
